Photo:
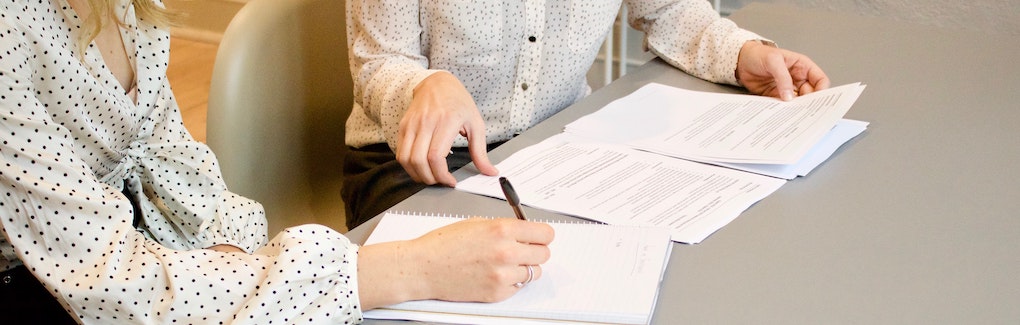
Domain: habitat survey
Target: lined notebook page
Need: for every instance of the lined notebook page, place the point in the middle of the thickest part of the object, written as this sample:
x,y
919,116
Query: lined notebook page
x,y
597,273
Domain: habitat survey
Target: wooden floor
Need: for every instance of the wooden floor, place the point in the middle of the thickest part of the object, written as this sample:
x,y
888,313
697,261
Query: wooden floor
x,y
190,73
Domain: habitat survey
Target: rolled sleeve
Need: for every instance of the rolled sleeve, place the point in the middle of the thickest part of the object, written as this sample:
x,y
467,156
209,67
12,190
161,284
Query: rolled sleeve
x,y
691,36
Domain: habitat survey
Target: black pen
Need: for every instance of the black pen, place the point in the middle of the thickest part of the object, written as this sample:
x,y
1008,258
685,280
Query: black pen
x,y
511,197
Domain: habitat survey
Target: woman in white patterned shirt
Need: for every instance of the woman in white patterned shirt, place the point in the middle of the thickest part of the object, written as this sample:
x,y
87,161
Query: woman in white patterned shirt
x,y
112,213
468,75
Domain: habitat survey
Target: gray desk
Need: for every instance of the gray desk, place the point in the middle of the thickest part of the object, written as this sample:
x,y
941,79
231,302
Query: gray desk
x,y
915,221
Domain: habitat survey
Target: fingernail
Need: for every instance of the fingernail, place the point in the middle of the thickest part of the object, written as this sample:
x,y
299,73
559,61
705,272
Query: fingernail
x,y
787,95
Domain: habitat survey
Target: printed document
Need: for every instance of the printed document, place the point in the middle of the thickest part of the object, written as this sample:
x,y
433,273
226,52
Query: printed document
x,y
715,127
619,185
684,160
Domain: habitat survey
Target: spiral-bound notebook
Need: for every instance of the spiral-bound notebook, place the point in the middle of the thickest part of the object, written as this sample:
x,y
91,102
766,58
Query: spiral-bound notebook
x,y
597,274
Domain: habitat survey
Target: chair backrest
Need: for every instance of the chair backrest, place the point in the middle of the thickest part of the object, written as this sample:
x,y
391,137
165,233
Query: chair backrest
x,y
280,94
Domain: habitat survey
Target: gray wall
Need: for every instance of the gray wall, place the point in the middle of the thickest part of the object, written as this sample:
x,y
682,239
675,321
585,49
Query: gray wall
x,y
995,17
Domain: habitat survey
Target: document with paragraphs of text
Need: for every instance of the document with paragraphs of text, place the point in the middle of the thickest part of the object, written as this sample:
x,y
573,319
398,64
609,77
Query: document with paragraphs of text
x,y
716,127
687,161
619,185
596,274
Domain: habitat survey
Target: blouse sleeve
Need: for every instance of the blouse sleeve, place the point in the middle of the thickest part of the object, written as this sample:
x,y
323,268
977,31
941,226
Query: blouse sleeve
x,y
386,59
181,191
691,36
75,234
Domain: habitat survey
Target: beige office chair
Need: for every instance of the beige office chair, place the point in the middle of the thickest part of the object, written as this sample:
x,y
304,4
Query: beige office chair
x,y
281,91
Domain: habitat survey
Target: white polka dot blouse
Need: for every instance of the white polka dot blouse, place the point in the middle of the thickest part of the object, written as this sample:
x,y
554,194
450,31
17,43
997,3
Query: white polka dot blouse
x,y
75,146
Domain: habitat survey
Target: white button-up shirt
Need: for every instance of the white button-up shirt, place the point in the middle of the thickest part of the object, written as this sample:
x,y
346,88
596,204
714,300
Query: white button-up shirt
x,y
522,61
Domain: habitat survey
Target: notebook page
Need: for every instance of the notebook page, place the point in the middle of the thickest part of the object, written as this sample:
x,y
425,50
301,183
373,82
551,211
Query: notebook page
x,y
597,273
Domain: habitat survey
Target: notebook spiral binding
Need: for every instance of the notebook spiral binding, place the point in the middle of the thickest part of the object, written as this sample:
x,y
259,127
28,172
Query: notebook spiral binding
x,y
462,216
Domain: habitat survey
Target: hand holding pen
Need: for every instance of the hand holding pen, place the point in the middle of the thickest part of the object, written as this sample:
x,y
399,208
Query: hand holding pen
x,y
515,203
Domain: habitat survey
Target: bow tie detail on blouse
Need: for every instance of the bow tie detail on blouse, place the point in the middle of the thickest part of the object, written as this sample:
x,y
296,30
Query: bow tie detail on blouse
x,y
179,178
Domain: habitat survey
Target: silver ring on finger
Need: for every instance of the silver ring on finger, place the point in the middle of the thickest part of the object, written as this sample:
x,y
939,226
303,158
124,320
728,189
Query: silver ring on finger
x,y
530,276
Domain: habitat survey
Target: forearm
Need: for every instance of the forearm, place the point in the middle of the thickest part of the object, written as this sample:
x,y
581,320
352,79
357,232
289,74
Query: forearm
x,y
475,260
691,36
386,58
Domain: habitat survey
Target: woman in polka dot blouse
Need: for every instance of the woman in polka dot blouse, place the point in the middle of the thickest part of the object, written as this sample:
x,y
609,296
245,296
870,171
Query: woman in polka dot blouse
x,y
112,213
434,75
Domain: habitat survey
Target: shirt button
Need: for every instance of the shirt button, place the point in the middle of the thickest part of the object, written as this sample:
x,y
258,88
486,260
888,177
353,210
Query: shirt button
x,y
7,279
532,39
524,86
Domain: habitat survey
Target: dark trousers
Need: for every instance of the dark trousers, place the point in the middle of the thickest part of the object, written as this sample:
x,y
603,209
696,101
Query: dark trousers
x,y
374,181
27,301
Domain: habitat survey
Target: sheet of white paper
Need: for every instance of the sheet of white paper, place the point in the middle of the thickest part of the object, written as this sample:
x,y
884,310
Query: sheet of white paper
x,y
706,126
843,131
580,282
446,318
619,185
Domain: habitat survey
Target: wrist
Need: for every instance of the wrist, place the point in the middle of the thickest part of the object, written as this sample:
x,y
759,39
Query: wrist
x,y
388,274
745,50
226,248
435,79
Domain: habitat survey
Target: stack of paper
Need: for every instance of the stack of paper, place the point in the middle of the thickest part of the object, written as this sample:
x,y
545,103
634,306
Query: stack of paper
x,y
754,133
622,186
620,164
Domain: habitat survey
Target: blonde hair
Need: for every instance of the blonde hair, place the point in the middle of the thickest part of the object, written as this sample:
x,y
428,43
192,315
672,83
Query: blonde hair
x,y
103,13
